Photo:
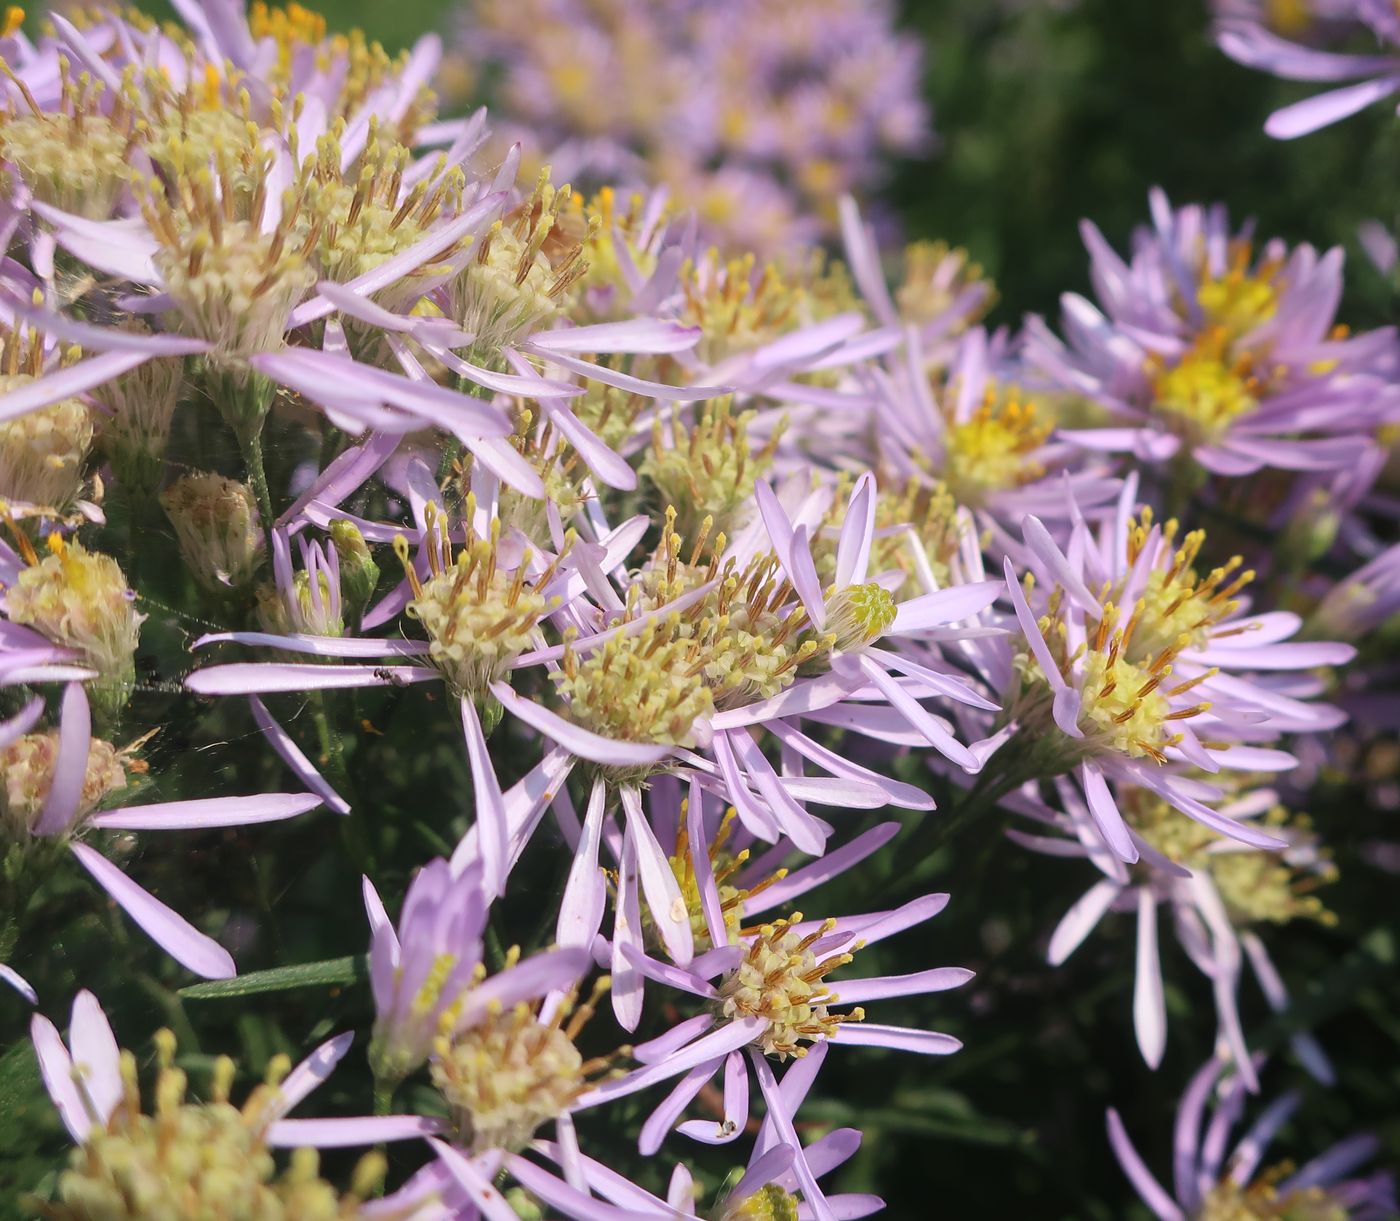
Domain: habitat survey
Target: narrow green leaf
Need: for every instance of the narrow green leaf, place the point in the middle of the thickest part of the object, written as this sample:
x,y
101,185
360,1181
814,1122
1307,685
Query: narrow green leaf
x,y
333,972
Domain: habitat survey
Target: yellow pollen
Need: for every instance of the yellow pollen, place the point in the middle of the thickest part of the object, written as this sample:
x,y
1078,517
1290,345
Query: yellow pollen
x,y
992,451
1204,393
781,980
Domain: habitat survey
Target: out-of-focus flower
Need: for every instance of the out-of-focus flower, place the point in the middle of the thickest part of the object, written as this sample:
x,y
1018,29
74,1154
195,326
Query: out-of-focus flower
x,y
1214,358
216,523
1281,43
752,132
1207,1184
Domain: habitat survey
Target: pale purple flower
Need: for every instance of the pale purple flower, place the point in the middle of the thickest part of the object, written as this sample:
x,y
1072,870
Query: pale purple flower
x,y
780,1169
1217,911
427,975
1201,346
1163,665
669,853
969,427
770,998
1362,603
1205,1182
792,114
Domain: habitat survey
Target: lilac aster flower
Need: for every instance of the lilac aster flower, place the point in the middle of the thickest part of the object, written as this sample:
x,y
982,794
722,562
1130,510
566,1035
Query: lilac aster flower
x,y
1206,1183
1221,896
771,997
1202,348
130,1164
1249,40
780,1178
969,428
717,877
1159,667
778,124
428,976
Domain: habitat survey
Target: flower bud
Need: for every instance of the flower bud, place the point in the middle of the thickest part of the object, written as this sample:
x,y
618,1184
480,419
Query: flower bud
x,y
358,572
216,522
135,427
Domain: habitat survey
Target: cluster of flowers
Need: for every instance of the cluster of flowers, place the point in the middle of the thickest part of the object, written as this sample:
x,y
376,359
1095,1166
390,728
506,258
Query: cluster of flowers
x,y
757,114
709,543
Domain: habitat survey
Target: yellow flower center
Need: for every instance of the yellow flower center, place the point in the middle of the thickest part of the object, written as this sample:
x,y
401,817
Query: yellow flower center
x,y
1203,394
1261,1201
79,599
197,1160
770,1203
512,1073
724,866
781,980
991,451
479,617
859,615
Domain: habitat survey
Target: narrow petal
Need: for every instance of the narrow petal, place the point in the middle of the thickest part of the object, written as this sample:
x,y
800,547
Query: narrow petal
x,y
898,1038
173,933
582,742
1149,1003
1138,1174
295,758
492,825
940,979
669,912
857,530
56,1068
586,892
96,1057
1105,812
265,678
61,806
312,1071
208,812
348,1131
1081,920
75,380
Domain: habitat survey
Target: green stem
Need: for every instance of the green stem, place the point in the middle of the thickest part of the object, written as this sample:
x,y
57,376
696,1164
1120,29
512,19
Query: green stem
x,y
250,442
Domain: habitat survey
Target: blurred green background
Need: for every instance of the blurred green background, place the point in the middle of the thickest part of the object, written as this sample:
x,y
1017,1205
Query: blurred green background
x,y
1045,113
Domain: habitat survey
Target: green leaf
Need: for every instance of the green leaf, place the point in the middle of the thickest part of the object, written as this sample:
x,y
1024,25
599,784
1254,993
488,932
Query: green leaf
x,y
333,972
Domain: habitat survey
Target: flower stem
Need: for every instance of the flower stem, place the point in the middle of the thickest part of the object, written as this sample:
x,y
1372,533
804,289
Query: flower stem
x,y
251,444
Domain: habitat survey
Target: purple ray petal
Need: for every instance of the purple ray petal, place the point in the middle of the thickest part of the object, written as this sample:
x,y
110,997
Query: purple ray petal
x,y
56,1068
295,758
173,933
208,812
582,742
62,805
258,677
311,1072
347,1131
